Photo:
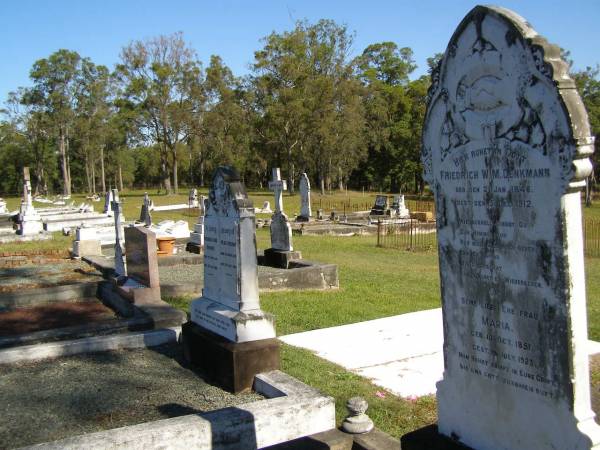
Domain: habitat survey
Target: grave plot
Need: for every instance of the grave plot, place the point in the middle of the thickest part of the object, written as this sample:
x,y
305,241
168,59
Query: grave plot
x,y
55,399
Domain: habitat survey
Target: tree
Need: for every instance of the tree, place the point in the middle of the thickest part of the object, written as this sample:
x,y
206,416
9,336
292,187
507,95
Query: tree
x,y
93,113
159,75
304,90
53,93
384,70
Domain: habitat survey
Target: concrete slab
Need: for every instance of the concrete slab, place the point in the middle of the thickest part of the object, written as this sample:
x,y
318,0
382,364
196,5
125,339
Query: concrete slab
x,y
402,354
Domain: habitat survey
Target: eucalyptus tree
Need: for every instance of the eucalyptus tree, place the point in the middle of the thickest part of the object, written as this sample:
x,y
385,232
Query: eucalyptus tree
x,y
384,70
93,113
55,81
307,107
159,75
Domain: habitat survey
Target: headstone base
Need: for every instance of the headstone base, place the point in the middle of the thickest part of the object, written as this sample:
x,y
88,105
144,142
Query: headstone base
x,y
428,438
280,258
304,219
229,364
236,326
30,226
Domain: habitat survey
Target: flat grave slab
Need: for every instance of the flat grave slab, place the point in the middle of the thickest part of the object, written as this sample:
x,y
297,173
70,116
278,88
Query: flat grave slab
x,y
58,398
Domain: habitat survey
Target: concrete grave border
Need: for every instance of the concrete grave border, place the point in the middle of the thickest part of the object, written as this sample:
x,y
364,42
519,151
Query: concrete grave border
x,y
292,410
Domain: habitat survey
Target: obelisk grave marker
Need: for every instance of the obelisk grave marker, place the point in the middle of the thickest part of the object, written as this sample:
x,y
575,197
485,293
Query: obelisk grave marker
x,y
229,336
506,143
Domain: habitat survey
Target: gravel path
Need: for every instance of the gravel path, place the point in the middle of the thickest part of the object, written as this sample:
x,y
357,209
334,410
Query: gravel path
x,y
53,399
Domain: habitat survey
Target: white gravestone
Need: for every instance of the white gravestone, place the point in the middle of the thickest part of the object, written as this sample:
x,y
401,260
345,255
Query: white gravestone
x,y
281,230
505,149
229,305
116,210
193,198
304,187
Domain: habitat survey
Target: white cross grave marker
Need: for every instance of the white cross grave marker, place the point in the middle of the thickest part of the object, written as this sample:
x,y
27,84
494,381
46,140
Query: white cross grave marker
x,y
277,185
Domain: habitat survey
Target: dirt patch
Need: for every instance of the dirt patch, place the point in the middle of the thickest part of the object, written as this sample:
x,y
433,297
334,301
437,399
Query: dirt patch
x,y
56,315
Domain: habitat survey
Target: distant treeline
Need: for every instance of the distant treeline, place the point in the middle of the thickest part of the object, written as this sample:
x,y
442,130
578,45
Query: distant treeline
x,y
160,117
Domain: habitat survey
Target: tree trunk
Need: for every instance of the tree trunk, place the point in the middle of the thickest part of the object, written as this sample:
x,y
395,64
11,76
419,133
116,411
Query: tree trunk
x,y
290,174
93,179
62,149
175,180
102,169
88,177
164,172
202,173
120,178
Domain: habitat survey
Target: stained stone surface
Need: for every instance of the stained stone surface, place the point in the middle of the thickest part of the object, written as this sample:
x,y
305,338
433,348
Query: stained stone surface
x,y
505,149
141,257
229,305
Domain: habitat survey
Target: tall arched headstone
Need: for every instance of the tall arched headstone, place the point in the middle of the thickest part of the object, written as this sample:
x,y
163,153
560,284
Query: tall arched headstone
x,y
229,336
506,142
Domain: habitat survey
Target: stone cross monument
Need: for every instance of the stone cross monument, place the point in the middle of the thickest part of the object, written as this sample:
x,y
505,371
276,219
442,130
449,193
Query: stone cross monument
x,y
227,319
506,145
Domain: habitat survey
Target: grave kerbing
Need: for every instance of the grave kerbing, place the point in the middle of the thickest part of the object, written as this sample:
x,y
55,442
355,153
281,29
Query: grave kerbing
x,y
506,143
229,336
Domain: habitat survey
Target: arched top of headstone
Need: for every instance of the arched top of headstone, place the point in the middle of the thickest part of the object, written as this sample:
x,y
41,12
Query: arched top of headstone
x,y
500,83
227,196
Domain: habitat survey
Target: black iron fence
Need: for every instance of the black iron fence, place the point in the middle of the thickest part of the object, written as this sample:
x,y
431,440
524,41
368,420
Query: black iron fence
x,y
411,235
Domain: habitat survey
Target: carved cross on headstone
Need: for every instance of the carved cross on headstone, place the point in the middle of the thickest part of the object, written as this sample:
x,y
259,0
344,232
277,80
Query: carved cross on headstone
x,y
277,185
116,209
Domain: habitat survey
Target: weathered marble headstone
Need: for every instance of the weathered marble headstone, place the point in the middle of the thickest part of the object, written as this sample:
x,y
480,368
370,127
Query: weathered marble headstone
x,y
116,209
381,205
304,188
145,216
506,142
229,336
281,230
229,305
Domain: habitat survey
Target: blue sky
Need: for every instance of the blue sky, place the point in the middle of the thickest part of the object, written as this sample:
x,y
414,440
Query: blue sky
x,y
30,30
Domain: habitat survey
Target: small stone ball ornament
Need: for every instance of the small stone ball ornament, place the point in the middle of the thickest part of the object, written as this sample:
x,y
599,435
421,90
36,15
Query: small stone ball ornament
x,y
357,421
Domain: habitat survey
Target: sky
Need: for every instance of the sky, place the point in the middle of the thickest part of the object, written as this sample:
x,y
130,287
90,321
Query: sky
x,y
30,30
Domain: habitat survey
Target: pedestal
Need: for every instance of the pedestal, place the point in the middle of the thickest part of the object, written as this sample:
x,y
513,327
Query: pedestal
x,y
229,364
280,258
